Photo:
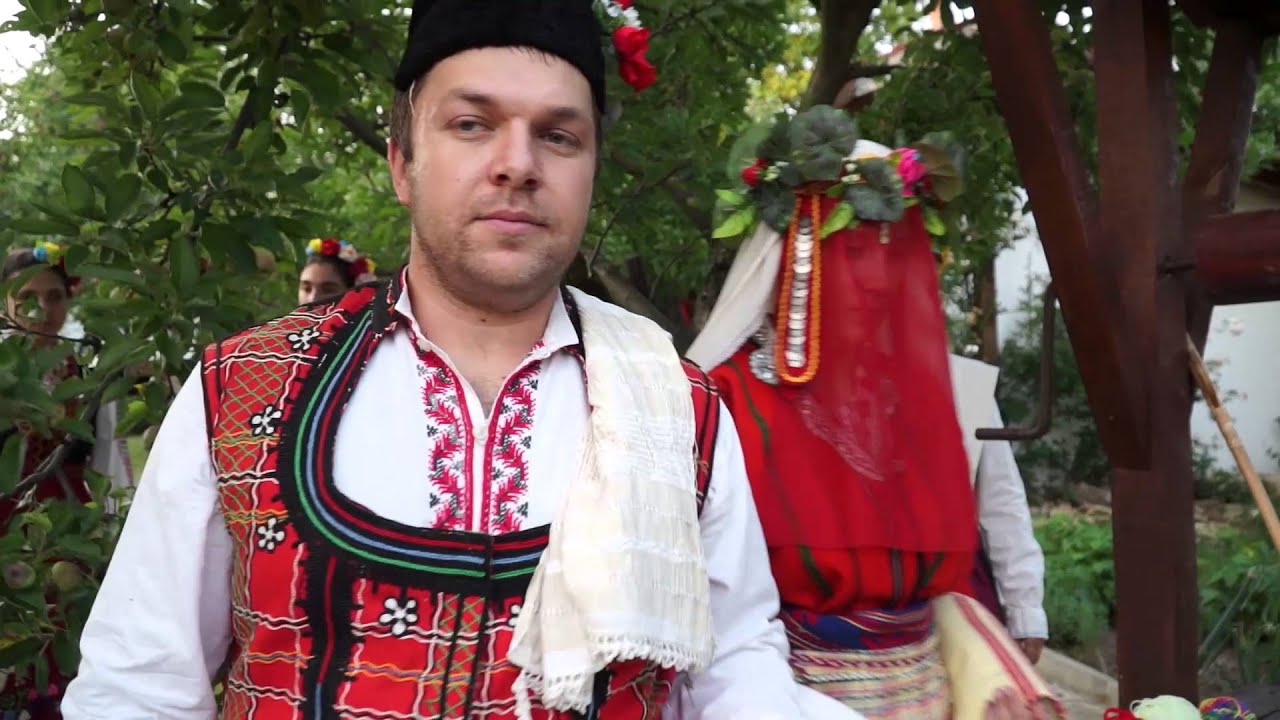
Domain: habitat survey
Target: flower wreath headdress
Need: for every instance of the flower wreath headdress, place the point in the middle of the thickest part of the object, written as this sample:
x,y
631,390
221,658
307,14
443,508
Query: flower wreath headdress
x,y
54,255
630,42
357,264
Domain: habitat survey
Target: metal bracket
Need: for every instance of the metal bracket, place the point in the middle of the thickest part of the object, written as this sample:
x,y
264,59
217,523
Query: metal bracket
x,y
1044,413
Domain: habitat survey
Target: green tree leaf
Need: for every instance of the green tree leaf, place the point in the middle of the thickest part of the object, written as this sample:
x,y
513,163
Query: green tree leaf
x,y
79,192
44,226
200,95
145,95
183,268
121,196
115,275
11,459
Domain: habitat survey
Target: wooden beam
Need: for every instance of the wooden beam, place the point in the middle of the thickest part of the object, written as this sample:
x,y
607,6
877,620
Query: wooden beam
x,y
1029,89
1217,155
1153,522
1264,15
1238,257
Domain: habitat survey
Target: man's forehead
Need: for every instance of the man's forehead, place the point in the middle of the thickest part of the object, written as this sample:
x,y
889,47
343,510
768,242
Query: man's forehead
x,y
511,76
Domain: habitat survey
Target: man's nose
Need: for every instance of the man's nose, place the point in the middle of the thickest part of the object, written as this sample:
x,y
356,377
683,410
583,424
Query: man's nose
x,y
515,164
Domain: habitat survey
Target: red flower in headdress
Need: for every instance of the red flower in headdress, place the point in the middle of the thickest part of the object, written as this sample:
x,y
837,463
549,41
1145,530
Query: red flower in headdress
x,y
631,43
330,247
624,4
751,174
359,267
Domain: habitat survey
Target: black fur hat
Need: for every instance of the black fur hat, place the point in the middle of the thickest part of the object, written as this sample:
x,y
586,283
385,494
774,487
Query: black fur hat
x,y
567,29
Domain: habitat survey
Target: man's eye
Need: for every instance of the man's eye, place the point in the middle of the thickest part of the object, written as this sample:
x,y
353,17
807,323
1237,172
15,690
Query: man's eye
x,y
556,137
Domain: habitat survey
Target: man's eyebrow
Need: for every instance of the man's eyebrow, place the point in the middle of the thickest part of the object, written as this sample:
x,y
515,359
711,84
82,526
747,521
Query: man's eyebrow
x,y
471,96
560,113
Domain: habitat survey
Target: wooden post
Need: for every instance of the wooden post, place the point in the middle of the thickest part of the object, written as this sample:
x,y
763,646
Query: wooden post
x,y
1217,155
1029,89
1153,523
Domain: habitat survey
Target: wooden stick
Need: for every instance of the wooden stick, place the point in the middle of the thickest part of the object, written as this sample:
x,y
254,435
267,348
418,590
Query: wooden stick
x,y
1228,428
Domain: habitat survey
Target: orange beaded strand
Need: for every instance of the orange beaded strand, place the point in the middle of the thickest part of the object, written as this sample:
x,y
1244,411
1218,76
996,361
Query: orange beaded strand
x,y
813,319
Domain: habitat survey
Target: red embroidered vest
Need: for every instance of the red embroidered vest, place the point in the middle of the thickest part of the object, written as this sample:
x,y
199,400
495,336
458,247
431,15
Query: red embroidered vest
x,y
337,612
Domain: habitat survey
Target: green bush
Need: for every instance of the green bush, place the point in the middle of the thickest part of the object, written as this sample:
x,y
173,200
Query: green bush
x,y
1239,594
1079,578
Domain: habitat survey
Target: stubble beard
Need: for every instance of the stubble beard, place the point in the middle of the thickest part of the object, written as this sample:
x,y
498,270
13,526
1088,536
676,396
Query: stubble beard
x,y
456,269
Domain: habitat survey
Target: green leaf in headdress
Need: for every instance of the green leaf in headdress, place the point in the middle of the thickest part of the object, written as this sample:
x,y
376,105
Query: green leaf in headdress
x,y
841,217
777,143
943,155
821,137
879,195
745,150
777,205
871,204
736,224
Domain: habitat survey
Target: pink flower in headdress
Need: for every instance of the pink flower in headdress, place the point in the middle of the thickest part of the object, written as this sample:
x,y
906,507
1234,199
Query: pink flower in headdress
x,y
631,43
911,169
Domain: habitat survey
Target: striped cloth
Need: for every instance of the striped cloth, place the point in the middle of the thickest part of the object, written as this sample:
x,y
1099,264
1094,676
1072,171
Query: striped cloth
x,y
882,663
982,660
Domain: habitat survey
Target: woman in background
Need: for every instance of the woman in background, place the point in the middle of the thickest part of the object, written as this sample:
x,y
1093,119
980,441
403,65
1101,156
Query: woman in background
x,y
332,268
35,313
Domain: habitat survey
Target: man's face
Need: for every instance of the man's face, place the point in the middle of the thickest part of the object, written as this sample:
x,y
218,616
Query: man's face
x,y
504,160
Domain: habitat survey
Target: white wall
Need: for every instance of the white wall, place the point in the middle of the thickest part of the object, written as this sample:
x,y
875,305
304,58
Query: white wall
x,y
1245,338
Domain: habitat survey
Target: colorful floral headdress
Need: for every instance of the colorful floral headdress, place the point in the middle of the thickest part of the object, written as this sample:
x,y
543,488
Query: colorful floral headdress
x,y
630,42
809,177
48,252
357,264
54,255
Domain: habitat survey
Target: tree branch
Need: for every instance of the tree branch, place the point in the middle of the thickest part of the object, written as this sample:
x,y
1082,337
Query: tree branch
x,y
858,70
364,131
244,121
56,458
684,198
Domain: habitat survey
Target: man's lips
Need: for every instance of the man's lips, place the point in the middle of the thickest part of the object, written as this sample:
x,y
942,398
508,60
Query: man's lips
x,y
513,222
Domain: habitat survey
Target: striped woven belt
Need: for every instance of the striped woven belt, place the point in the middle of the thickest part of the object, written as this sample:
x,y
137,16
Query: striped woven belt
x,y
884,664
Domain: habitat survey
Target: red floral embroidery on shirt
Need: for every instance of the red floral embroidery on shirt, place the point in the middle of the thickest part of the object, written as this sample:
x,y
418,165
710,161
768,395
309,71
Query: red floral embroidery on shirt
x,y
506,506
446,427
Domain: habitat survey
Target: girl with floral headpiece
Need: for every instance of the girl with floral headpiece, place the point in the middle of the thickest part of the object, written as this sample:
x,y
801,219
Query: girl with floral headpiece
x,y
333,267
35,312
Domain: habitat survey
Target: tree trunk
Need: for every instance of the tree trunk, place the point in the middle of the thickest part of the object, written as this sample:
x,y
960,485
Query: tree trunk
x,y
988,313
843,22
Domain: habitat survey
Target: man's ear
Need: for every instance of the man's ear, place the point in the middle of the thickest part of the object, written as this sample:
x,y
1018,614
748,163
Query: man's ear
x,y
400,170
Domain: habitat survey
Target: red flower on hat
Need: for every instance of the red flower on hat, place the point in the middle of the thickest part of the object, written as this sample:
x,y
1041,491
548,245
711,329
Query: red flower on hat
x,y
330,247
751,173
631,43
624,4
359,267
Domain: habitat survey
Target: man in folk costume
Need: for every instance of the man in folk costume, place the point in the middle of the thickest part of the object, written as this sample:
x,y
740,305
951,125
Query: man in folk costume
x,y
829,347
464,493
1009,574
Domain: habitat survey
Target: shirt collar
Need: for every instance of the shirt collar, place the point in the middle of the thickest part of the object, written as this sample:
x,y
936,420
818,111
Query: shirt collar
x,y
561,333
